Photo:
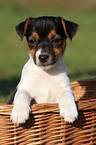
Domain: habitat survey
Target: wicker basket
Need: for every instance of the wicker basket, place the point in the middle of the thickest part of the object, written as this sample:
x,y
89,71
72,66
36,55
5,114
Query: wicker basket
x,y
46,127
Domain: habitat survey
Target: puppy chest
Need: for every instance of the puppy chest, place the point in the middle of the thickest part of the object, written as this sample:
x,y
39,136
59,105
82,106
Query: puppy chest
x,y
44,90
44,94
43,87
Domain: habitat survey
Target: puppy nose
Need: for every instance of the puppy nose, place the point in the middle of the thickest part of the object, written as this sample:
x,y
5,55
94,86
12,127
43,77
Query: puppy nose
x,y
43,58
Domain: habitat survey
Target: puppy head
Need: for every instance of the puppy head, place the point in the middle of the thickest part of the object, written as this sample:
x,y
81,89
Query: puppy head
x,y
46,38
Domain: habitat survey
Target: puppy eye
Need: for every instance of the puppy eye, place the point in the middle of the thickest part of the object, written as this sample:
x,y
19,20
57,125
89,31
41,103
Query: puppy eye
x,y
31,41
57,40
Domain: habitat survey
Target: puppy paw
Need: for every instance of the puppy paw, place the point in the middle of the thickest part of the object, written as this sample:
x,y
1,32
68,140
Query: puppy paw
x,y
68,112
19,114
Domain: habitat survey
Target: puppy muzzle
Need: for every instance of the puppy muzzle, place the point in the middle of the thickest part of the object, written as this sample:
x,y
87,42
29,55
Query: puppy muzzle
x,y
43,57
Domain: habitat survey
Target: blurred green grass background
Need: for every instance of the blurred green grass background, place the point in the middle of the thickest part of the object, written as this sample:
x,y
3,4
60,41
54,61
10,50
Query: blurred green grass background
x,y
80,55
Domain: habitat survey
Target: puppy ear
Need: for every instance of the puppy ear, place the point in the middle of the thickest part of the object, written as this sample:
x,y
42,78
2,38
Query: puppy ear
x,y
22,27
70,28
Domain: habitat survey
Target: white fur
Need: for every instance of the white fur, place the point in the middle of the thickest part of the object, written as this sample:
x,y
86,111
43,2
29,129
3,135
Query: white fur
x,y
45,86
37,56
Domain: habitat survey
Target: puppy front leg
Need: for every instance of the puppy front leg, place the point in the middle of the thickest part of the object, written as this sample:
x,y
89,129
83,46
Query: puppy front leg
x,y
68,109
21,109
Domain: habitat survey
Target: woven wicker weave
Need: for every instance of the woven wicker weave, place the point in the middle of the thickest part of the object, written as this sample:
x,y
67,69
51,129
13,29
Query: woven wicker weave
x,y
46,127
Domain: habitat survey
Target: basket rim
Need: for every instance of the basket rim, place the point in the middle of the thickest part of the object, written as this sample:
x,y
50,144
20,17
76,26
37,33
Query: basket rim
x,y
84,81
46,107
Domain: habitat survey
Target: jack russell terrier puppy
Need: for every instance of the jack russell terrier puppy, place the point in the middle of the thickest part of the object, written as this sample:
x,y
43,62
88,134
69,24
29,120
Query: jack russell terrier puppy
x,y
44,77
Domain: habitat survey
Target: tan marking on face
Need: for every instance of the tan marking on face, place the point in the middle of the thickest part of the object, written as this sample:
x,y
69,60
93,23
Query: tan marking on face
x,y
51,34
59,51
35,36
32,52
